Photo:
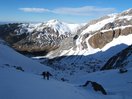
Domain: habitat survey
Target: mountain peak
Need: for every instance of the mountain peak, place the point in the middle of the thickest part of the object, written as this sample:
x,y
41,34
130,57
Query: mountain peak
x,y
126,12
55,21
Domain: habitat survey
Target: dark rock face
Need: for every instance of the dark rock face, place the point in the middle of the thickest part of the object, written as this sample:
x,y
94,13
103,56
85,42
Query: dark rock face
x,y
108,26
99,40
126,31
18,37
47,37
119,60
96,86
117,33
8,33
33,44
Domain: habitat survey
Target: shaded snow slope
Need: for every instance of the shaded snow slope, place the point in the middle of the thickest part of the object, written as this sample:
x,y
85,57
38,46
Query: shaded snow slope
x,y
82,44
77,55
15,84
9,57
115,42
18,85
73,62
120,60
117,85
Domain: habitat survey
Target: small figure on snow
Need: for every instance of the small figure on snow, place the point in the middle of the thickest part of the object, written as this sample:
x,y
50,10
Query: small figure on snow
x,y
46,75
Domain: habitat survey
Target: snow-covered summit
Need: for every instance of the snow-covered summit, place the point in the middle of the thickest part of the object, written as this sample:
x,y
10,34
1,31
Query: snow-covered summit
x,y
96,34
94,43
111,18
63,27
127,12
57,26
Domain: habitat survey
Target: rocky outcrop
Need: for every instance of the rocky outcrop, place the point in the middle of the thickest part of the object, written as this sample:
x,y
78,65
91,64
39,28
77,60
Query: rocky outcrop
x,y
8,33
116,25
96,86
51,35
100,39
39,42
43,37
119,60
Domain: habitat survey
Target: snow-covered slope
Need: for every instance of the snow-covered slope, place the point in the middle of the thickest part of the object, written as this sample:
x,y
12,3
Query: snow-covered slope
x,y
117,85
16,84
122,59
19,85
61,27
98,35
37,37
77,56
93,44
100,23
11,59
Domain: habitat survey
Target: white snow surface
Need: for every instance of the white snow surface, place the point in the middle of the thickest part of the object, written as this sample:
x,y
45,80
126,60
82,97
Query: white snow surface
x,y
12,58
125,17
21,85
15,84
117,85
116,45
99,25
120,41
112,17
62,27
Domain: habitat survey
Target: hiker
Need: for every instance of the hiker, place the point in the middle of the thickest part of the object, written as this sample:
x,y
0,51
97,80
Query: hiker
x,y
46,75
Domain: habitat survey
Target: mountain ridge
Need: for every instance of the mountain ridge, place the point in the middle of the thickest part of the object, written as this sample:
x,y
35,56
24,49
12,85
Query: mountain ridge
x,y
53,40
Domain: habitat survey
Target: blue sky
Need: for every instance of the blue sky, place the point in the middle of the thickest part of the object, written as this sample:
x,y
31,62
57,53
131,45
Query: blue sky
x,y
73,11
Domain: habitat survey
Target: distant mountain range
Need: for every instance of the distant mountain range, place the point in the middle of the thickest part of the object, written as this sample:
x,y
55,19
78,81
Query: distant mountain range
x,y
82,58
86,47
37,37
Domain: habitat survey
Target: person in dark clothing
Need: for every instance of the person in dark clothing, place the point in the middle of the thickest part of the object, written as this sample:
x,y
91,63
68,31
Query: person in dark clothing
x,y
46,75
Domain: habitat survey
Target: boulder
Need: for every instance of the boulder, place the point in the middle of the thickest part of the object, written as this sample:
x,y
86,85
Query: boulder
x,y
96,86
123,70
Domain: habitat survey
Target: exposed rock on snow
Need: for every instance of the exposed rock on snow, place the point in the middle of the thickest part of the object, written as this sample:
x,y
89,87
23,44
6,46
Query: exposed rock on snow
x,y
95,86
120,60
100,39
41,37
